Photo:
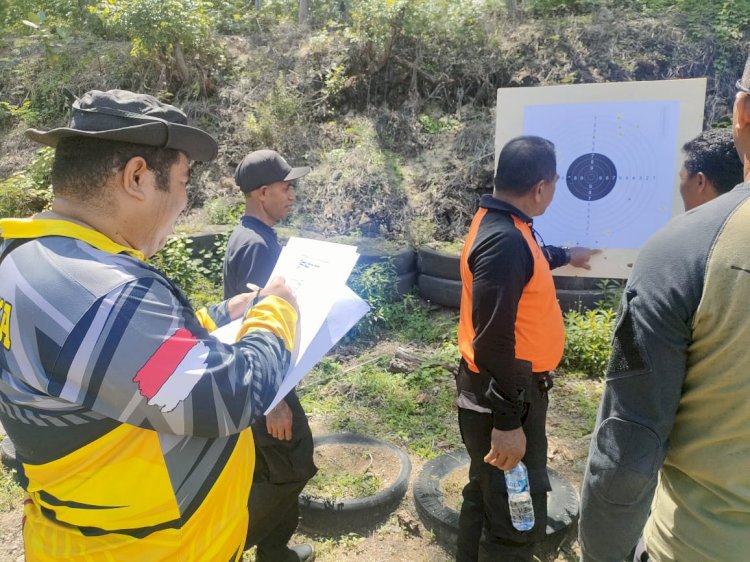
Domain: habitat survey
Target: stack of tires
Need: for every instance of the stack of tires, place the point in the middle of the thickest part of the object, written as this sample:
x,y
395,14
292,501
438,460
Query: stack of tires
x,y
578,293
439,277
439,282
403,260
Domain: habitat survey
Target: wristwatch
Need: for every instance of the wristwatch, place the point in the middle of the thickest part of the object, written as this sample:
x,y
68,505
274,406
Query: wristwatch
x,y
567,254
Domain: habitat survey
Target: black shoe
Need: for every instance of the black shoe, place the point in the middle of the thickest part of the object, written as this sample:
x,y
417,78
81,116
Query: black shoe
x,y
304,551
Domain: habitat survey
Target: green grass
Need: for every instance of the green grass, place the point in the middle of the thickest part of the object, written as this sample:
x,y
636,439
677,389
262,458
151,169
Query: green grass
x,y
415,409
11,494
328,484
582,396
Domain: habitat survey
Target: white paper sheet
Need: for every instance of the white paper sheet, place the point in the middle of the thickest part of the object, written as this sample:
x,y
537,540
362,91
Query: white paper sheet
x,y
346,311
317,272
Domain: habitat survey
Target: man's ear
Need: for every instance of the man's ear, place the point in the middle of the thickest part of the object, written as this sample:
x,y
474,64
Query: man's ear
x,y
134,176
742,110
701,181
538,190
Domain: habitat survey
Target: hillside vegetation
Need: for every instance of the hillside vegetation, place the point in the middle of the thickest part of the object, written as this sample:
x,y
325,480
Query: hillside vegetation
x,y
390,101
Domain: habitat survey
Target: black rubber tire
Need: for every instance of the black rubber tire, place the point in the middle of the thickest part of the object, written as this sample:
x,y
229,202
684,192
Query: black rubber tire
x,y
8,453
333,518
438,264
562,504
404,284
404,259
445,292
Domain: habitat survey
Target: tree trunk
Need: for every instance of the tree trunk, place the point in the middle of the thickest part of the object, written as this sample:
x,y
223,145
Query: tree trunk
x,y
257,5
304,9
512,7
182,67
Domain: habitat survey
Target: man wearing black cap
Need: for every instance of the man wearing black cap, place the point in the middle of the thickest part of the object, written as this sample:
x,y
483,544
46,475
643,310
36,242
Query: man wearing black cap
x,y
283,441
671,447
130,422
265,179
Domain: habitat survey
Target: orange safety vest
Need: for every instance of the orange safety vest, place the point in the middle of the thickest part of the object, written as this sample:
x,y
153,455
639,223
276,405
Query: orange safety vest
x,y
539,329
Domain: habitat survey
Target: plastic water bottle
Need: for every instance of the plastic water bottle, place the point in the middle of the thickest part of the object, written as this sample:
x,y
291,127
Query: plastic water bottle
x,y
519,497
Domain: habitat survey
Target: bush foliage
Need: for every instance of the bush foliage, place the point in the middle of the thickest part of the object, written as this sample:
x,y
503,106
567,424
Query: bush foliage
x,y
28,191
368,92
588,337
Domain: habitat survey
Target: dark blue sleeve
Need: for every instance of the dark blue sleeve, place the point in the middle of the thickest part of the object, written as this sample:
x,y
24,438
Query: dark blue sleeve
x,y
557,257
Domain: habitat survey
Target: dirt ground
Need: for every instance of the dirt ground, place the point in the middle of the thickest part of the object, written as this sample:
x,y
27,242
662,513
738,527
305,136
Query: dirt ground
x,y
403,537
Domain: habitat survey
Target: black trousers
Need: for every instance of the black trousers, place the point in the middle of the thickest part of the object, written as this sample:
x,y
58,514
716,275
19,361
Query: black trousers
x,y
485,531
282,468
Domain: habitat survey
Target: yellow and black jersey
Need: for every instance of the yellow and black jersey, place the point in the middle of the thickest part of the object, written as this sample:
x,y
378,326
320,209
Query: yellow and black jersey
x,y
130,421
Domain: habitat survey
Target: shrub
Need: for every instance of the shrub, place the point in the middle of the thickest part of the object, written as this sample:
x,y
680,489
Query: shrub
x,y
212,260
611,293
279,120
178,32
357,187
28,191
224,210
374,284
175,261
587,341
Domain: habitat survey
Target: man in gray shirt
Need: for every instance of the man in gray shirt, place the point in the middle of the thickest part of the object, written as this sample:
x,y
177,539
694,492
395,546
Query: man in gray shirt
x,y
672,440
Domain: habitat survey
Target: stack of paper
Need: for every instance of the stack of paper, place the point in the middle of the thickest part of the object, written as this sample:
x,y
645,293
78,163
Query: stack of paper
x,y
317,272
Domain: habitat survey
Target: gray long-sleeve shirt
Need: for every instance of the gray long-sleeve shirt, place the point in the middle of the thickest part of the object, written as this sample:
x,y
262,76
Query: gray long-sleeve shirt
x,y
676,395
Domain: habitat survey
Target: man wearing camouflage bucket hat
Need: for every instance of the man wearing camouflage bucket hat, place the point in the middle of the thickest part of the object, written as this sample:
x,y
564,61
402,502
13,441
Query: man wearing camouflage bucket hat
x,y
130,422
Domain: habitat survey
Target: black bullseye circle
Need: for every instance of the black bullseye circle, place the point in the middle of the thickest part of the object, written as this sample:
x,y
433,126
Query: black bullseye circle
x,y
591,176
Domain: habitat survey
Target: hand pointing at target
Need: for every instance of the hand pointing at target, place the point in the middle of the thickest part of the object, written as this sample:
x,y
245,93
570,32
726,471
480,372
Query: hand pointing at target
x,y
580,257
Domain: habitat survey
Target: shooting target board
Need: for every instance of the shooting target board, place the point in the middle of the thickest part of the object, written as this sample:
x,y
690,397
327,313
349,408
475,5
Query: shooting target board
x,y
618,149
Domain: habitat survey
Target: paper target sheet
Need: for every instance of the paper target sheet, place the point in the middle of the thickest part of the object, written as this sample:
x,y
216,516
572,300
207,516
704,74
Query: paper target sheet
x,y
618,149
616,166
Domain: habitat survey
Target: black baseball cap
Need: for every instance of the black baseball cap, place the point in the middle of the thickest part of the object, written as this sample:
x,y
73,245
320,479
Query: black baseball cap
x,y
124,116
264,167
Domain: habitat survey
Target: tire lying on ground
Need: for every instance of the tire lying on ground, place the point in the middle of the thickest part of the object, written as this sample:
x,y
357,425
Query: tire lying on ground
x,y
339,516
445,292
578,299
438,264
404,260
562,504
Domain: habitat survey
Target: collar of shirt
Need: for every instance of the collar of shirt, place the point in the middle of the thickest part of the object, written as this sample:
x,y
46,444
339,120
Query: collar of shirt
x,y
490,202
257,225
38,228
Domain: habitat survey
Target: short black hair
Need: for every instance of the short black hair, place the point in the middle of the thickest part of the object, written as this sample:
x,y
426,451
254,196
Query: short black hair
x,y
83,165
524,162
713,153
